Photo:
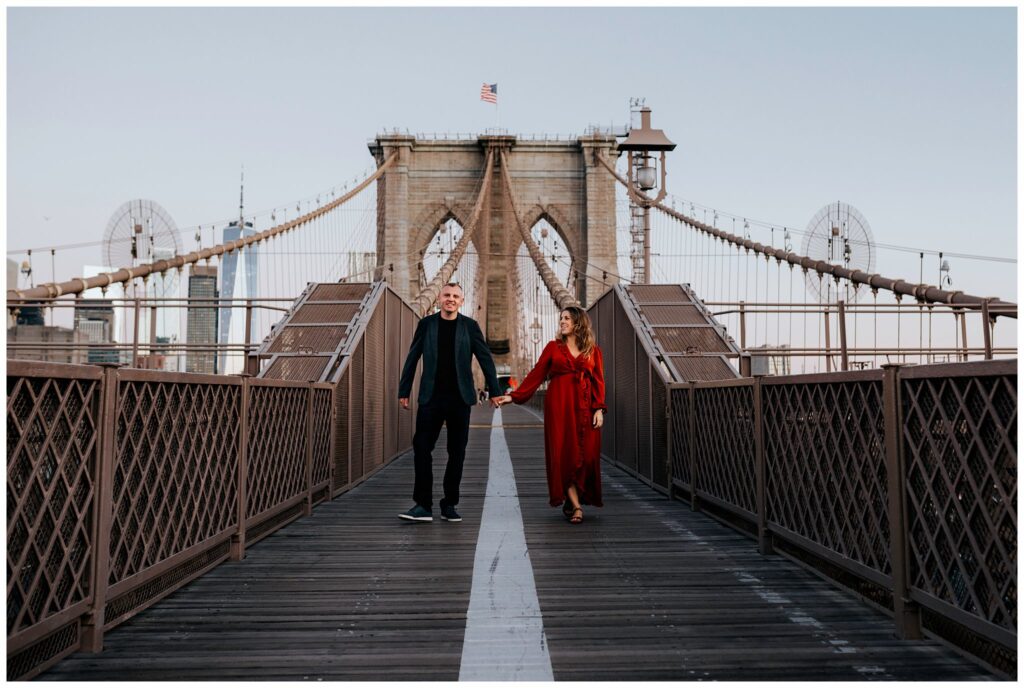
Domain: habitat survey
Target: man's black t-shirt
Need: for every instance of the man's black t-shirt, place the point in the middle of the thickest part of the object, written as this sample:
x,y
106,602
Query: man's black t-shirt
x,y
446,382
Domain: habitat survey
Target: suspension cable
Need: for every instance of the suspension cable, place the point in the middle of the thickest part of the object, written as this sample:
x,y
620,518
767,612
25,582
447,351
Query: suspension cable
x,y
560,294
428,295
125,275
922,292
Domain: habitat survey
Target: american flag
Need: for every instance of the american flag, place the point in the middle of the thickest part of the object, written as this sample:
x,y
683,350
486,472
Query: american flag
x,y
489,93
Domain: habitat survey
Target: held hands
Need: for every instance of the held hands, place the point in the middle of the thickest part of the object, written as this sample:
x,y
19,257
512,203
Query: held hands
x,y
598,418
501,401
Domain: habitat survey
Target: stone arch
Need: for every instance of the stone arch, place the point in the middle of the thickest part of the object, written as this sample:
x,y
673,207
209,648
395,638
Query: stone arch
x,y
557,220
432,217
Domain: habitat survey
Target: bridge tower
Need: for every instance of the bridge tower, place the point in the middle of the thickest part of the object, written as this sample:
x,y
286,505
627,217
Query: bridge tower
x,y
435,180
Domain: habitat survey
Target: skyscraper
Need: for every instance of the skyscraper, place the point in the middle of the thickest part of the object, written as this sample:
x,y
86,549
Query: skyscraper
x,y
233,285
202,319
94,321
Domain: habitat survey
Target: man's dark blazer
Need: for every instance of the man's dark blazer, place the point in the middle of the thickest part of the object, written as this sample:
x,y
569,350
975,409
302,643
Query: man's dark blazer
x,y
469,342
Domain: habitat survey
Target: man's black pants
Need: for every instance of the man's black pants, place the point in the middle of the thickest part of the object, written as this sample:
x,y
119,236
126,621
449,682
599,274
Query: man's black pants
x,y
453,412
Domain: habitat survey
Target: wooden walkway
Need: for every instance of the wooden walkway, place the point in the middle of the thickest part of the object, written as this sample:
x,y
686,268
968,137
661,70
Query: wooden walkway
x,y
643,589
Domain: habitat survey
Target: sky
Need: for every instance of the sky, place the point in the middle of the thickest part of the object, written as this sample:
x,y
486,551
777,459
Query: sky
x,y
909,114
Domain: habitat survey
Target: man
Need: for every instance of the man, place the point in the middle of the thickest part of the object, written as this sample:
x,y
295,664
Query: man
x,y
447,341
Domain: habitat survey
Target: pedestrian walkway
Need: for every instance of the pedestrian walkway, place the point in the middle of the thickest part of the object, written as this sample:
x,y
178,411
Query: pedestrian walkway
x,y
643,589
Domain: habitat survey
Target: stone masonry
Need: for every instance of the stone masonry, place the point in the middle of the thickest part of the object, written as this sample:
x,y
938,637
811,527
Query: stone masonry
x,y
435,180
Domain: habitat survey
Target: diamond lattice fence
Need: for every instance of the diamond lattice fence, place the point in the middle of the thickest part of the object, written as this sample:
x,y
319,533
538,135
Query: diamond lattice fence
x,y
175,470
52,449
825,467
277,445
724,445
960,453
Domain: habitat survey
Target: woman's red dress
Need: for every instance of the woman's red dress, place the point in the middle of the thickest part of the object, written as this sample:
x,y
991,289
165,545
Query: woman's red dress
x,y
572,446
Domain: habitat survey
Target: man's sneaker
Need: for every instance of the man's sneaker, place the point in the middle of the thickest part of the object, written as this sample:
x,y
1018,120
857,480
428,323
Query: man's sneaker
x,y
449,513
417,513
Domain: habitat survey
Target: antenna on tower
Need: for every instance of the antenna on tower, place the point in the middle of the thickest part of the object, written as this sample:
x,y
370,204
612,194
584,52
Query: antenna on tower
x,y
241,200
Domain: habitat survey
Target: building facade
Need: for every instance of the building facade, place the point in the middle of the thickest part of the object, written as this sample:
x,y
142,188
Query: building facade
x,y
202,319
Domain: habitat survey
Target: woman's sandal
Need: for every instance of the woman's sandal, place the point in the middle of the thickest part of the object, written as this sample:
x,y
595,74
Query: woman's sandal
x,y
567,509
577,516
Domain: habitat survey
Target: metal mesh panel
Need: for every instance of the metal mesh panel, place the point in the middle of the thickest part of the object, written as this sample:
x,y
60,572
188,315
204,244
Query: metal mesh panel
x,y
354,291
52,449
322,418
680,435
277,446
43,654
341,432
659,438
308,339
674,315
304,368
652,293
724,443
394,356
159,586
825,467
689,340
702,368
373,388
625,397
605,337
642,378
356,419
959,439
175,470
324,313
405,418
273,522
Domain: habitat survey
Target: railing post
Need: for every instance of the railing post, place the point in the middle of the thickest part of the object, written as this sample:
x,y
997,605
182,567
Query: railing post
x,y
238,539
92,629
987,325
744,363
152,334
906,613
668,440
135,335
844,355
691,452
334,443
252,361
828,339
764,540
307,509
961,316
743,326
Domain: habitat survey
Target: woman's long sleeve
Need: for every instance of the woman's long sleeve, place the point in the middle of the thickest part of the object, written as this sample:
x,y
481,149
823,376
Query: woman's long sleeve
x,y
535,378
597,389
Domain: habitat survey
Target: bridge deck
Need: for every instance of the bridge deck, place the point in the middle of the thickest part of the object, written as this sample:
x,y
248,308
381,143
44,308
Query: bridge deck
x,y
643,589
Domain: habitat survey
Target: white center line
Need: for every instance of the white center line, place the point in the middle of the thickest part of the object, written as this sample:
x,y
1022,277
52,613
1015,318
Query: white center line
x,y
504,630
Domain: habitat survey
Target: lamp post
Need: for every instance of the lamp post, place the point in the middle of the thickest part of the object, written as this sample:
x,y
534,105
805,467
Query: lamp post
x,y
535,328
642,173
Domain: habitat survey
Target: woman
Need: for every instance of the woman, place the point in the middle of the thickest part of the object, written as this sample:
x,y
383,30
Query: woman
x,y
573,413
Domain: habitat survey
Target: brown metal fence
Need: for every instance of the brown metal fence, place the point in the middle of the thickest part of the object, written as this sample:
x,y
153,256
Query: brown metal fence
x,y
635,437
54,433
959,443
904,479
900,483
370,427
170,474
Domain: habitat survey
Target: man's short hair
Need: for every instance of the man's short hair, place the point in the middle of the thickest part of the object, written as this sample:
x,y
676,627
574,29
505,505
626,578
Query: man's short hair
x,y
455,284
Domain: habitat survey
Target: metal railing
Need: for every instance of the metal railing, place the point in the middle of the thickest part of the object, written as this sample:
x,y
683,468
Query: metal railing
x,y
125,484
899,482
